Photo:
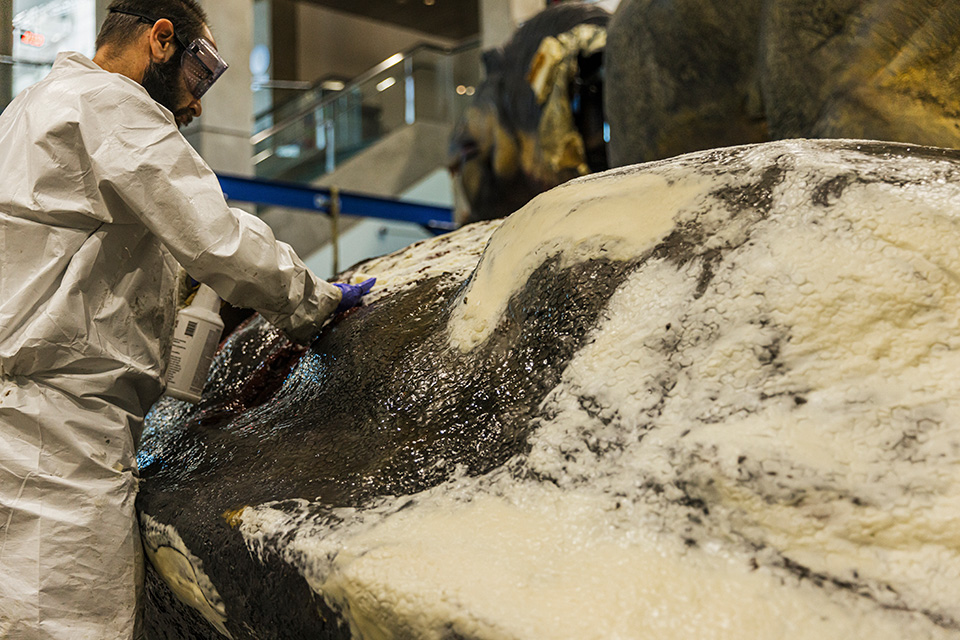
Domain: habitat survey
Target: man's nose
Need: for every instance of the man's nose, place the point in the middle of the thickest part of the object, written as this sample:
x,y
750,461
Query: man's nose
x,y
195,108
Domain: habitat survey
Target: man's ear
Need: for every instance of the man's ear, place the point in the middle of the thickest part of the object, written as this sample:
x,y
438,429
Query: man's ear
x,y
162,42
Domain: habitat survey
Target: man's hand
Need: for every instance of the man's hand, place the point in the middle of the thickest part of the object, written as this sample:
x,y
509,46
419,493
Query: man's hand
x,y
352,293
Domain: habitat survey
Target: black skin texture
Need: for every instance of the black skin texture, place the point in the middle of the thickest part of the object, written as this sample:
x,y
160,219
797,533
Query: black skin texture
x,y
166,618
366,411
379,398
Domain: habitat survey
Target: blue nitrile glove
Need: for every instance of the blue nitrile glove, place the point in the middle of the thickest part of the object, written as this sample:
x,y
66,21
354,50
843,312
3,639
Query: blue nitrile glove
x,y
352,293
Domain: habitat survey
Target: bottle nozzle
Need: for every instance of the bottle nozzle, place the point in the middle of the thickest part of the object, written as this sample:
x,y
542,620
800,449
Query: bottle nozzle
x,y
206,299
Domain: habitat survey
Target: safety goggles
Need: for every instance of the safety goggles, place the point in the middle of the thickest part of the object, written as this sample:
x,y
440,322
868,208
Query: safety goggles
x,y
200,62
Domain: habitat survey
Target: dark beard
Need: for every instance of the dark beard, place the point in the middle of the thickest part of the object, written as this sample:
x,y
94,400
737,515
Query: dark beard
x,y
162,82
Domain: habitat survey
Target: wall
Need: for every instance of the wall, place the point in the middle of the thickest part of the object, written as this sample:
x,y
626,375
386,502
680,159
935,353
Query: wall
x,y
333,43
222,134
371,237
500,18
6,49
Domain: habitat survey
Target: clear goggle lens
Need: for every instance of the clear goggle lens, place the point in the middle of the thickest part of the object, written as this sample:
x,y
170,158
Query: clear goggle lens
x,y
201,65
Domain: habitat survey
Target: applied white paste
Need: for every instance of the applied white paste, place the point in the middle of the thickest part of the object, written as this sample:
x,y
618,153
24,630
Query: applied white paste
x,y
182,571
759,439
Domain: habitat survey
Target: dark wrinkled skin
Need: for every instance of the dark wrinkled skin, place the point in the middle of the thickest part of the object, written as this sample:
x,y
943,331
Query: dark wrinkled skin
x,y
687,75
381,405
378,405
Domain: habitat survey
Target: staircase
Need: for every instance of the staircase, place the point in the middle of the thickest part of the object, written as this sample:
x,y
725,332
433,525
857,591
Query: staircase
x,y
401,112
386,133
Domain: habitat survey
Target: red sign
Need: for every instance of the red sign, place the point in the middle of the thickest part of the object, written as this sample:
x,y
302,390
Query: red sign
x,y
32,39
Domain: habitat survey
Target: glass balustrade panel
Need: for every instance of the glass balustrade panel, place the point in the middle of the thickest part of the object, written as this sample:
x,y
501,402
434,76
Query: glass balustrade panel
x,y
321,131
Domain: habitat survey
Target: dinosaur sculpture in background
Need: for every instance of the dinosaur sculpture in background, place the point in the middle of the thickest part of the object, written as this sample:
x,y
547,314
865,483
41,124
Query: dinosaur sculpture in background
x,y
687,75
537,118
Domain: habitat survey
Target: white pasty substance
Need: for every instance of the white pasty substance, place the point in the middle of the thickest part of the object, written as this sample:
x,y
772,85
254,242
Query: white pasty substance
x,y
759,439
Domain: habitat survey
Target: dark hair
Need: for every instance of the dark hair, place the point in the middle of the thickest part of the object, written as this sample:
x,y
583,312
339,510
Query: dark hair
x,y
119,28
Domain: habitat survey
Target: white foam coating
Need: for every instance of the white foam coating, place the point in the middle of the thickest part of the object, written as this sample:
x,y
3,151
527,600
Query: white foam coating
x,y
182,571
547,568
451,256
770,452
615,219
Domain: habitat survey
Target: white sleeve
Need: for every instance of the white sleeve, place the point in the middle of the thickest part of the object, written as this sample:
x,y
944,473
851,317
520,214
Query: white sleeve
x,y
145,165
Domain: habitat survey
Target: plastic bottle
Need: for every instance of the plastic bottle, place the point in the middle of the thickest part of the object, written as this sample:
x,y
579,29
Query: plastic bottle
x,y
195,341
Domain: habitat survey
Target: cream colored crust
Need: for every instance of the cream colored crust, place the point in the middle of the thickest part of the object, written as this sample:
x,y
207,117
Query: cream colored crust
x,y
772,454
617,219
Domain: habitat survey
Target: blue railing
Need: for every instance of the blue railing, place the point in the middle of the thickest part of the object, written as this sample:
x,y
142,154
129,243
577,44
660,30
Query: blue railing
x,y
319,199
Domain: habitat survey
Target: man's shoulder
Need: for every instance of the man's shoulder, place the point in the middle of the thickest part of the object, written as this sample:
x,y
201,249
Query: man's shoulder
x,y
77,85
75,73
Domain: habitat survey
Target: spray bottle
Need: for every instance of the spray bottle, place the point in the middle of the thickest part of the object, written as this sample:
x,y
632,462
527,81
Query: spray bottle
x,y
195,341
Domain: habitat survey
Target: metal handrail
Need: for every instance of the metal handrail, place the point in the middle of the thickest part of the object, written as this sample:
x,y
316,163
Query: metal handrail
x,y
363,77
295,85
11,60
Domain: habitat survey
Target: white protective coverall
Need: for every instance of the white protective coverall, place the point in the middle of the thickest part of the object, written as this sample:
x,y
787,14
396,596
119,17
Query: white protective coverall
x,y
100,198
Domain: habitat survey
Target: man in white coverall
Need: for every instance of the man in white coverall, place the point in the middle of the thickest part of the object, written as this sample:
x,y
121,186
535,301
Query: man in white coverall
x,y
100,198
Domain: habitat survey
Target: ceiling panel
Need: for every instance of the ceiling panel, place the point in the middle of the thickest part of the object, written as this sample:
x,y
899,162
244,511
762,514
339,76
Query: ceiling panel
x,y
452,19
